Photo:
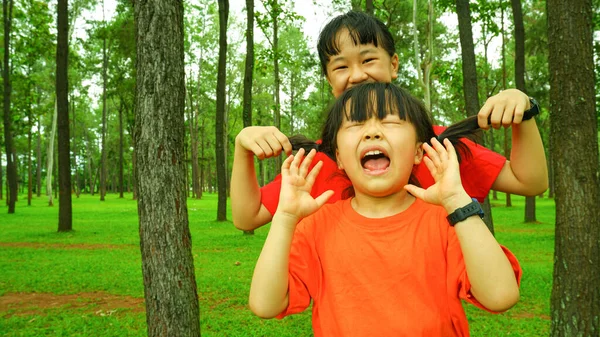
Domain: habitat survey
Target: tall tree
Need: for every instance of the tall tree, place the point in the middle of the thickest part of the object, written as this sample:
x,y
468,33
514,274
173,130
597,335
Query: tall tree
x,y
220,132
248,70
167,262
469,68
575,299
104,126
520,81
65,212
11,169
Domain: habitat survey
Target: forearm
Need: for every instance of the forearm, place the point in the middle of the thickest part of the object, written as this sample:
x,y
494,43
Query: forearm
x,y
529,172
269,289
245,201
492,278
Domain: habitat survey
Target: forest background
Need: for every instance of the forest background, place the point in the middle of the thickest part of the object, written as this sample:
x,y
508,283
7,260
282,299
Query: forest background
x,y
287,88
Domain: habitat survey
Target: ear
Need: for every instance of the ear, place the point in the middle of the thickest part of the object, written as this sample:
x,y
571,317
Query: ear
x,y
337,160
395,66
418,153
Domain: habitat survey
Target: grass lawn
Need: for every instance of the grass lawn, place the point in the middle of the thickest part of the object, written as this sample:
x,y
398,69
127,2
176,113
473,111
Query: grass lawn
x,y
89,282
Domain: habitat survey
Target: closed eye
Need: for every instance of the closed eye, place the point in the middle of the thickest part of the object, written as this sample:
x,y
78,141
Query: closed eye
x,y
369,60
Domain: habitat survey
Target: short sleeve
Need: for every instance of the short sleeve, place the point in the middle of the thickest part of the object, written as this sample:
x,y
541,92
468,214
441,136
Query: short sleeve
x,y
458,280
479,170
303,280
269,194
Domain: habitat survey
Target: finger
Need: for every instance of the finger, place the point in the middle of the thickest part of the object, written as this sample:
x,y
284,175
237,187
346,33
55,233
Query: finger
x,y
266,148
483,115
312,175
451,150
432,155
430,166
274,144
306,163
417,192
284,142
322,199
285,167
256,150
294,168
507,117
440,149
519,112
496,117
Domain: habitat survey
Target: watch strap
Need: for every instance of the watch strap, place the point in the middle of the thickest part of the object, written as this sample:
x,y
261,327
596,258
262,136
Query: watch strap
x,y
462,213
533,110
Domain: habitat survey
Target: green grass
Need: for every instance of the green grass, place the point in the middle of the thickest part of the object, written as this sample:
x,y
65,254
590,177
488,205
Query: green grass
x,y
102,255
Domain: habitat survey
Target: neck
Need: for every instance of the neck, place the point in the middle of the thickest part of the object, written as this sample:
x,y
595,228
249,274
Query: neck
x,y
380,207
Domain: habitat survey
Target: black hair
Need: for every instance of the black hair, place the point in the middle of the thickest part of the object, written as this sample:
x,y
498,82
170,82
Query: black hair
x,y
362,102
363,29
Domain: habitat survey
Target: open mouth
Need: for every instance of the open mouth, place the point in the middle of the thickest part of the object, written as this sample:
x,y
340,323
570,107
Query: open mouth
x,y
375,160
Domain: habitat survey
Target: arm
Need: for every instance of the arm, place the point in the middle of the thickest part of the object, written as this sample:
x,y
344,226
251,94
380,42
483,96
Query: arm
x,y
263,142
492,278
269,288
526,173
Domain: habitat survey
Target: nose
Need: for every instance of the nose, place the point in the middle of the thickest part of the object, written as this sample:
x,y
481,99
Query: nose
x,y
372,130
358,75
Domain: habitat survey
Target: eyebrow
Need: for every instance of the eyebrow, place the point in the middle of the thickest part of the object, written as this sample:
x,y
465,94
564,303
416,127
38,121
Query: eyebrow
x,y
362,53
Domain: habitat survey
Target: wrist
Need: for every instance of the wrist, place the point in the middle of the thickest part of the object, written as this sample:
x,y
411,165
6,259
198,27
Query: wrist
x,y
285,219
456,201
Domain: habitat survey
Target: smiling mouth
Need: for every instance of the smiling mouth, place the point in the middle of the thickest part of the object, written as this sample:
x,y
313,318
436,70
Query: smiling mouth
x,y
375,161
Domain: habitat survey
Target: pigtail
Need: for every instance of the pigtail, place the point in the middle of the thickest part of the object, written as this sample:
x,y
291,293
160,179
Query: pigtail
x,y
303,142
468,128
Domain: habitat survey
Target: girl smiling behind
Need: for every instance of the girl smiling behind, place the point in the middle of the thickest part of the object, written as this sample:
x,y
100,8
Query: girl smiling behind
x,y
386,262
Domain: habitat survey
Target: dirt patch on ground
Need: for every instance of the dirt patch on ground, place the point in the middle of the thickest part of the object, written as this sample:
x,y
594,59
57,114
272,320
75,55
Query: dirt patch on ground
x,y
99,303
87,246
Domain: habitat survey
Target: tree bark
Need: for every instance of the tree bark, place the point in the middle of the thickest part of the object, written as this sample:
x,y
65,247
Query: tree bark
x,y
39,157
121,160
469,68
220,132
520,81
167,262
11,170
50,157
65,210
575,299
104,126
275,10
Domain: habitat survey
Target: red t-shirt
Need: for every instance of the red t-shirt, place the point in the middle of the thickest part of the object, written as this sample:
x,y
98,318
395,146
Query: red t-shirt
x,y
402,275
478,173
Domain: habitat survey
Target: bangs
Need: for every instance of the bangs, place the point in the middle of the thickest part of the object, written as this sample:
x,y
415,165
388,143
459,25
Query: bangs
x,y
363,34
363,102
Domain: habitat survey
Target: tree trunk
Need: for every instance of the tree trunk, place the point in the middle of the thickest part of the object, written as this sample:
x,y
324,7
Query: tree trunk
x,y
121,161
29,149
77,186
575,299
1,173
104,126
275,11
11,170
248,70
65,209
369,7
38,172
50,157
469,68
167,261
220,123
520,81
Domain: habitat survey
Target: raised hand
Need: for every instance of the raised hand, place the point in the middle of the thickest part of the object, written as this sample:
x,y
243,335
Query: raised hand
x,y
503,109
295,199
442,162
264,141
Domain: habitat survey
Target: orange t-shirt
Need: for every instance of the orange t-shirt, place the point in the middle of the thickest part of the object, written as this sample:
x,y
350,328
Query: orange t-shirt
x,y
402,275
